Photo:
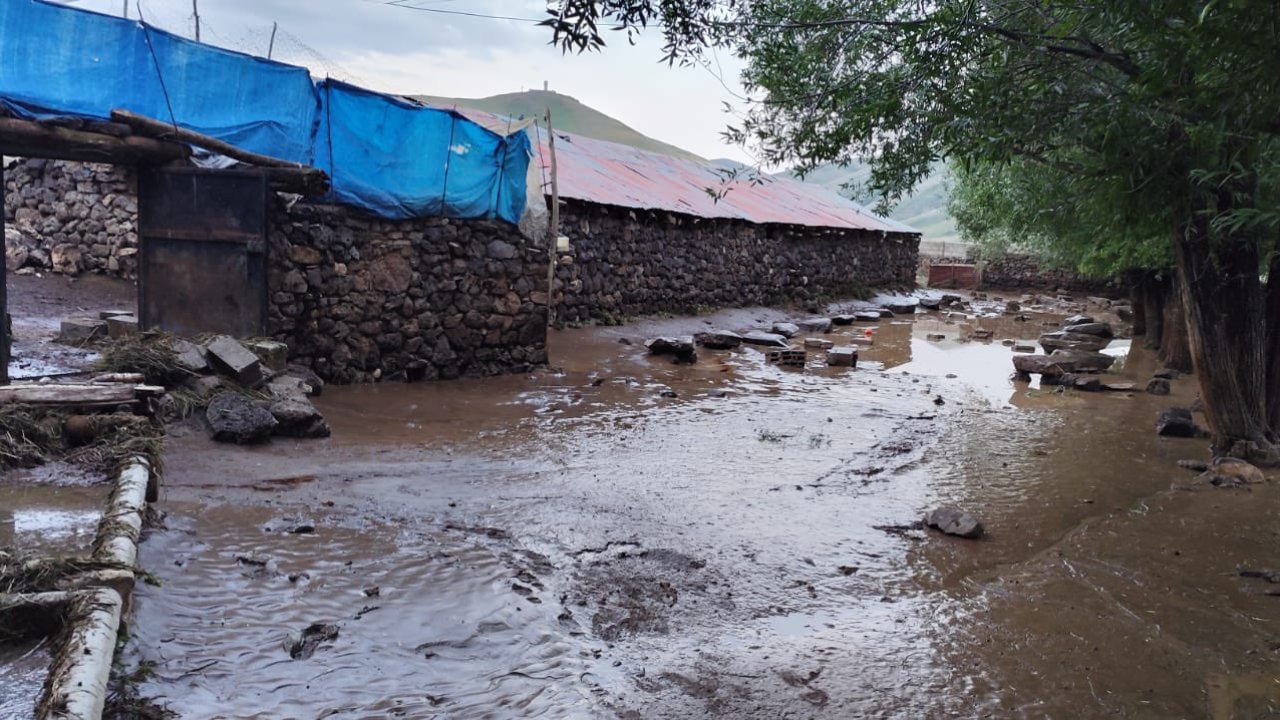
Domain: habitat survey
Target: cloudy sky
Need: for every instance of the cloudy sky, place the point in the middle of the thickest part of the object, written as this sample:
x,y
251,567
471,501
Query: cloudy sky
x,y
405,51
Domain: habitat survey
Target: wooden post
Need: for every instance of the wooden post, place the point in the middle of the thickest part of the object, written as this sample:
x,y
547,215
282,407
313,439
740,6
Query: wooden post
x,y
5,336
271,46
195,12
553,237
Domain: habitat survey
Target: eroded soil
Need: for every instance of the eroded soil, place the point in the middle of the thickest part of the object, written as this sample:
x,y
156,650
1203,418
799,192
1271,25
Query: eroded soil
x,y
573,543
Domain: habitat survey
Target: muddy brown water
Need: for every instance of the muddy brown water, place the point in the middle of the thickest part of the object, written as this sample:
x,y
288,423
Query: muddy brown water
x,y
572,543
22,671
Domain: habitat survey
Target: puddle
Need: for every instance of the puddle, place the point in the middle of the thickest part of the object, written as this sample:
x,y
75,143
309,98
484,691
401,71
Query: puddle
x,y
23,667
49,519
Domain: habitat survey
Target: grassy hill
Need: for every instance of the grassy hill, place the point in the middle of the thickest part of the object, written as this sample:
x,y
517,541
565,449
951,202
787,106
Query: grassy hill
x,y
567,114
925,210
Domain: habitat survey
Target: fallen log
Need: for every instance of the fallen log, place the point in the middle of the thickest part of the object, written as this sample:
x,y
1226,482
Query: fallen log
x,y
159,129
86,396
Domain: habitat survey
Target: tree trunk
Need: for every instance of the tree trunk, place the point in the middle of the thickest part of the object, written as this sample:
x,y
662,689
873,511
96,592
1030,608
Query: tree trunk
x,y
1138,297
1175,341
1272,357
1153,310
1223,300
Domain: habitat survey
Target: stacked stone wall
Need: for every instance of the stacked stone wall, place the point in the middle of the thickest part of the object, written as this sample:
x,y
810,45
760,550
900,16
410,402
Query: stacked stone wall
x,y
629,262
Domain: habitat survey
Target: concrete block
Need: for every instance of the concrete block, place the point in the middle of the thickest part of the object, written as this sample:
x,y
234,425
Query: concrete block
x,y
860,340
79,331
818,344
229,357
842,357
119,326
272,353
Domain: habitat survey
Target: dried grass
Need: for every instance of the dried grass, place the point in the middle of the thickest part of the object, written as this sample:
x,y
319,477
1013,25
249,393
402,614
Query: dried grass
x,y
32,436
151,353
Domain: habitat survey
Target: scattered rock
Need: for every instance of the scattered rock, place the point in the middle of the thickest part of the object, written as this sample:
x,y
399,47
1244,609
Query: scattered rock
x,y
1097,329
1013,307
1119,386
845,319
1167,374
681,347
818,344
1158,386
1077,320
719,340
273,354
901,307
786,329
842,357
1063,340
981,334
81,331
1063,361
191,356
868,316
306,644
1021,348
1177,422
228,356
119,326
816,325
235,418
1196,465
298,417
862,340
935,337
756,337
953,521
1232,472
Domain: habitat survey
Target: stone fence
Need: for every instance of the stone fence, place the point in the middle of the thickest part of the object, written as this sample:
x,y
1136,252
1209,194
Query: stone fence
x,y
632,262
1014,271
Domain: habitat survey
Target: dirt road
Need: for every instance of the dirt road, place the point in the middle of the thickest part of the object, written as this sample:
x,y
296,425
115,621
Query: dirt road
x,y
577,543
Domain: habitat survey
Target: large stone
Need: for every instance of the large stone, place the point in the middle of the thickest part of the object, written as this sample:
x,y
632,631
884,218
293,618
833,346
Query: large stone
x,y
119,326
953,521
756,337
868,316
719,339
842,357
1099,329
816,325
235,418
786,329
80,331
1231,472
236,361
501,250
1178,422
1158,386
191,356
844,319
1063,340
818,344
901,307
297,417
681,347
273,353
305,255
1063,361
1077,320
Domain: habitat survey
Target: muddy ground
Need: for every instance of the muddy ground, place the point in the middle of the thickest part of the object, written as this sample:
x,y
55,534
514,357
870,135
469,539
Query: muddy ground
x,y
577,543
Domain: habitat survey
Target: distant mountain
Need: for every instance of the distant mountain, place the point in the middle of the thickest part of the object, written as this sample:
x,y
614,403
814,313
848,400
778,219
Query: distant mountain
x,y
925,210
567,114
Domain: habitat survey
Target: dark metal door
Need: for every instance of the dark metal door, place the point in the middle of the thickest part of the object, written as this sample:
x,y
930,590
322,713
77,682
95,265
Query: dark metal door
x,y
203,260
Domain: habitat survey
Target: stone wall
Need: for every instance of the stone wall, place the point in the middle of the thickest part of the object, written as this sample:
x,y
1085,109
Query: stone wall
x,y
359,299
1014,271
631,262
70,218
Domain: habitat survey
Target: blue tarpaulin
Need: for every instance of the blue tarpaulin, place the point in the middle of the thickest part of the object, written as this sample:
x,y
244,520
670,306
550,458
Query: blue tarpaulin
x,y
387,156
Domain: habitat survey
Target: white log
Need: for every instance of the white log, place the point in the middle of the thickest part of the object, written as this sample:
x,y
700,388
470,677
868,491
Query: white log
x,y
80,692
125,509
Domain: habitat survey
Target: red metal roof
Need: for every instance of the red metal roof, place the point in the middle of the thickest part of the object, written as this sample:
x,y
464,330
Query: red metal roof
x,y
608,173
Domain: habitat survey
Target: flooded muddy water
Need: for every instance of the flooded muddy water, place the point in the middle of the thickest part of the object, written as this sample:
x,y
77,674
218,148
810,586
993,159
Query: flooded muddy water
x,y
23,667
50,510
624,537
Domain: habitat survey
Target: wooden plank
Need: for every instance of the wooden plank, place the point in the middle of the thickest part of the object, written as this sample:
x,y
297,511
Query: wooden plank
x,y
25,138
77,395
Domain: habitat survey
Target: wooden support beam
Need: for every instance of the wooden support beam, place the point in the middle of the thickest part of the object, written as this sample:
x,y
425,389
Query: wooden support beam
x,y
303,181
158,129
25,138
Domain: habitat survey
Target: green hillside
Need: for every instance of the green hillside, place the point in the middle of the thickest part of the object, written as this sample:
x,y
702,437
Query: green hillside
x,y
925,210
567,114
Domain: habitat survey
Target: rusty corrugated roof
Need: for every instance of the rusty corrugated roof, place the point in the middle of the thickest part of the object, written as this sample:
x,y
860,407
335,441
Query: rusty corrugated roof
x,y
608,173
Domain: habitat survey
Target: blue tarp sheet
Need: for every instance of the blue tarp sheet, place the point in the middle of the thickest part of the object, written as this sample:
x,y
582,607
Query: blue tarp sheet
x,y
387,156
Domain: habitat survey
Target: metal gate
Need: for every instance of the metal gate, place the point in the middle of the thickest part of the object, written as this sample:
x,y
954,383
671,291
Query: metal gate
x,y
203,260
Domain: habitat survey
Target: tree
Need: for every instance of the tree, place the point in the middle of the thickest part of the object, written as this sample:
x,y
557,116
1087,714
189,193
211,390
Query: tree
x,y
1170,107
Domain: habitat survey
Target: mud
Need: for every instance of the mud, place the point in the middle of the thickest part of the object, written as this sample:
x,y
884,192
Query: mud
x,y
572,543
38,304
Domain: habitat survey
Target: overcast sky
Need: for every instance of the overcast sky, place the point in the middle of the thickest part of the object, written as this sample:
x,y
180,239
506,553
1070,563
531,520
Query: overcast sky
x,y
403,51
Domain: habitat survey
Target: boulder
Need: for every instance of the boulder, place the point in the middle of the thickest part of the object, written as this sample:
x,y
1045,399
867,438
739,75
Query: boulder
x,y
235,418
191,356
1077,320
679,346
79,331
307,376
1023,348
1099,329
931,303
1178,422
1077,381
719,339
756,337
1158,386
786,329
1063,340
842,357
1231,472
1013,307
953,521
1063,361
845,319
816,325
229,357
298,417
273,353
868,316
901,307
